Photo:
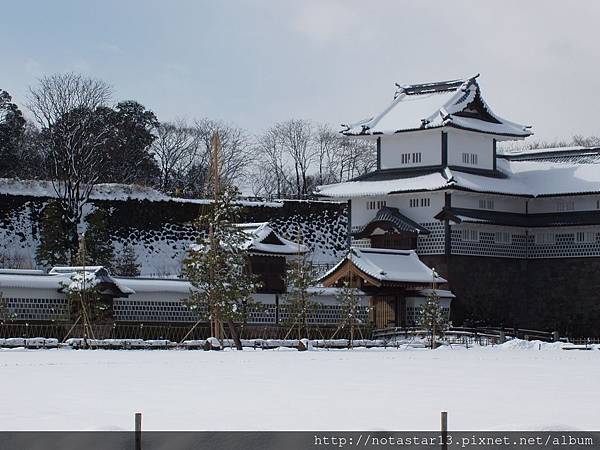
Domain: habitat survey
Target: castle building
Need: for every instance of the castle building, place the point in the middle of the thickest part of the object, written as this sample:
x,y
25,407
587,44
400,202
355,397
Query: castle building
x,y
516,235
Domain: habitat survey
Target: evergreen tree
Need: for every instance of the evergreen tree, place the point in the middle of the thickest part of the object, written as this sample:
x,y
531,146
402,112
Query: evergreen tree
x,y
217,266
349,301
126,265
86,302
54,248
301,307
12,129
431,317
98,239
126,152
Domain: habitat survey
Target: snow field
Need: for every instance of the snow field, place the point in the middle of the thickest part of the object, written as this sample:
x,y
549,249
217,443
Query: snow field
x,y
513,386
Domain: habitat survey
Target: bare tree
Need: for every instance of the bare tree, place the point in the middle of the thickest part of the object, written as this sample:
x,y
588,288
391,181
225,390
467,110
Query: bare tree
x,y
288,152
270,177
356,157
236,150
327,148
175,149
296,137
64,106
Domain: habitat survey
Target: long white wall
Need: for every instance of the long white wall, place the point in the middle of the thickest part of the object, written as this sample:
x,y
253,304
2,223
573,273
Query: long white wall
x,y
564,204
471,200
361,214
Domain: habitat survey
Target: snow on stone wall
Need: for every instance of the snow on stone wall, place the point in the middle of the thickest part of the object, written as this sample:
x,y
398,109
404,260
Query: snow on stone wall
x,y
161,231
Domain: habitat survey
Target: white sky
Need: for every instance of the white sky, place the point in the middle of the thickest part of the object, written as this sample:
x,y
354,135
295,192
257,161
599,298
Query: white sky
x,y
256,62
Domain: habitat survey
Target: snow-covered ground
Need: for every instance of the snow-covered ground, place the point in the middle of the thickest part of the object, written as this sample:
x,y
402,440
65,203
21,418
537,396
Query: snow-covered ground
x,y
514,386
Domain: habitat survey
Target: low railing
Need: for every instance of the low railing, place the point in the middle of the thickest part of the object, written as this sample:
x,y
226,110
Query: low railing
x,y
468,335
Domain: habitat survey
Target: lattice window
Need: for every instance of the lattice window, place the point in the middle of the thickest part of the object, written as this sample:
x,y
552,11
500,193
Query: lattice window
x,y
544,237
419,202
565,205
486,203
469,158
470,235
503,237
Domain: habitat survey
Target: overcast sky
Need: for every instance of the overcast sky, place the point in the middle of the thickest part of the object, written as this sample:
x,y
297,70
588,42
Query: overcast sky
x,y
256,62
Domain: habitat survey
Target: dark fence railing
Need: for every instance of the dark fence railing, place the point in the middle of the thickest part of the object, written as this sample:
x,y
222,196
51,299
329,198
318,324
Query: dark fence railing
x,y
174,332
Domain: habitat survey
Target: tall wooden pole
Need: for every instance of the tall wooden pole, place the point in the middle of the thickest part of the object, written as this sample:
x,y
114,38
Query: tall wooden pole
x,y
216,326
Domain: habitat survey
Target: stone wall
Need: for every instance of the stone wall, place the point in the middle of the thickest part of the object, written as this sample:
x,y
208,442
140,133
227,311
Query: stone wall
x,y
161,231
545,294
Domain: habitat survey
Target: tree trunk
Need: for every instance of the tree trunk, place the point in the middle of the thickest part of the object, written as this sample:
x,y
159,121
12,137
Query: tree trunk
x,y
234,334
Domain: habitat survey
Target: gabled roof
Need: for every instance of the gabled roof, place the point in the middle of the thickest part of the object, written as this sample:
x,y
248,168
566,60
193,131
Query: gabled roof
x,y
391,217
454,103
262,239
386,266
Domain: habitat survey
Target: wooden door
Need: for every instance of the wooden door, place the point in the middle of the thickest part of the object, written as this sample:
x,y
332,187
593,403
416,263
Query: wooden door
x,y
384,311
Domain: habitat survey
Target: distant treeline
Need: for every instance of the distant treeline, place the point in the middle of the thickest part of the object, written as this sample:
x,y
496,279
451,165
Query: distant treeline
x,y
77,131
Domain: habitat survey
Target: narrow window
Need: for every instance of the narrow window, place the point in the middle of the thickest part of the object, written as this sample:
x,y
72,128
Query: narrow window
x,y
544,238
470,235
503,237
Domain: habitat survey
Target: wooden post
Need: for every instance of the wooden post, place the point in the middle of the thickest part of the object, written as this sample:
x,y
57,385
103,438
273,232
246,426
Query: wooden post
x,y
138,431
444,430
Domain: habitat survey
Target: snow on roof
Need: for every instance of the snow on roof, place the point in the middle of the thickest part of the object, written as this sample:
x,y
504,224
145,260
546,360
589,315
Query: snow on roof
x,y
74,269
59,279
455,103
577,154
533,151
22,271
362,188
389,265
108,191
259,234
30,281
521,178
439,292
155,284
547,178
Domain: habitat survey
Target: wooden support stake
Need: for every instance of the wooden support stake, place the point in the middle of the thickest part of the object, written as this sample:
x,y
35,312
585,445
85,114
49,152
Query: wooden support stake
x,y
138,431
444,430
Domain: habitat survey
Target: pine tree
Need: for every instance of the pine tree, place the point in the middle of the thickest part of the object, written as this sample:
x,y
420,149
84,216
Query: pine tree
x,y
98,239
217,266
349,302
86,302
301,307
126,265
431,316
12,130
54,247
